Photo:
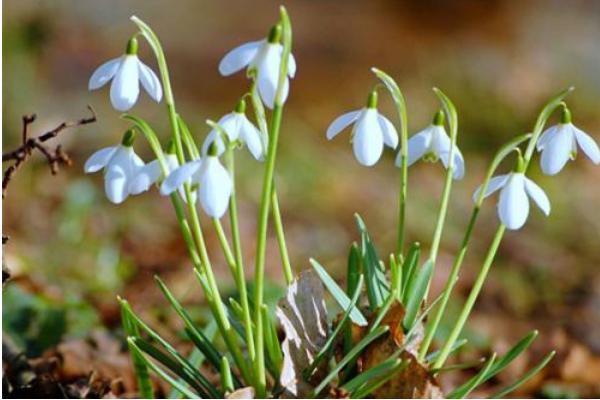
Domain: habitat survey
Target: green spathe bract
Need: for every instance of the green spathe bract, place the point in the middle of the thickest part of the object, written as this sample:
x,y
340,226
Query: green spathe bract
x,y
249,352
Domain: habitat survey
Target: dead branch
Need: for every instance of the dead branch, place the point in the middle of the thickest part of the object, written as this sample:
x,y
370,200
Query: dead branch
x,y
55,158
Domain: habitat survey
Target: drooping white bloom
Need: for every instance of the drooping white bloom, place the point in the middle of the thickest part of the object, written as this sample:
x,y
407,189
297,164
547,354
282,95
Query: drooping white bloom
x,y
126,73
263,56
559,143
432,144
370,132
120,164
237,127
513,205
214,183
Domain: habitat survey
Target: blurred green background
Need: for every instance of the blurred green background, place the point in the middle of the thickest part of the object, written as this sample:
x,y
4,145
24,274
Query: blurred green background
x,y
71,251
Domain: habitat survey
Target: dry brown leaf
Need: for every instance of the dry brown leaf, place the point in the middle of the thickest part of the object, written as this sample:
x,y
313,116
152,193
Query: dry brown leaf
x,y
303,315
243,393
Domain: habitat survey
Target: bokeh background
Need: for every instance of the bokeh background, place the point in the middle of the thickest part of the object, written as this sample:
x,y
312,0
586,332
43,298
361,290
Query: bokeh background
x,y
71,252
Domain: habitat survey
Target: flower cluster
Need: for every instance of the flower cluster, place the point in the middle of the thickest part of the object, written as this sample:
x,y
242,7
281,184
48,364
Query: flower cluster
x,y
204,176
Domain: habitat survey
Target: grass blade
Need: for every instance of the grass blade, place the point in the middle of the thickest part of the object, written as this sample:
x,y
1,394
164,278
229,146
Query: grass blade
x,y
457,345
349,357
408,269
377,285
354,269
371,387
372,373
524,378
477,380
416,292
338,294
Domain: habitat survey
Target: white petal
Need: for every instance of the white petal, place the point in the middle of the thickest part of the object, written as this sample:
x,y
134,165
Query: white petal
x,y
390,136
341,122
239,57
418,144
99,159
291,66
147,175
513,207
116,178
104,73
588,145
556,152
231,124
211,137
367,140
150,82
459,165
125,87
251,136
546,136
538,195
268,76
215,187
494,184
440,143
179,176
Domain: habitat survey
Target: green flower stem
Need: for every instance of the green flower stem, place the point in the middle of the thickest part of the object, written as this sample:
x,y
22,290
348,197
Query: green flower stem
x,y
240,276
285,258
265,206
474,293
259,112
225,246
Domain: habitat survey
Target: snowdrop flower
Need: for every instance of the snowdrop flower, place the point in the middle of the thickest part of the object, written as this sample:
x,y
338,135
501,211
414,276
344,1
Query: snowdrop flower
x,y
370,132
433,144
238,128
213,181
264,57
120,164
559,143
513,206
126,72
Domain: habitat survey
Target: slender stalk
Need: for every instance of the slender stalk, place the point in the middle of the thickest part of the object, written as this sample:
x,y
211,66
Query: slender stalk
x,y
225,247
240,277
285,258
265,205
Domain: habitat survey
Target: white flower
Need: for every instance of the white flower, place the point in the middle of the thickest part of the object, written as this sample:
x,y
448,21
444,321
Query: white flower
x,y
213,180
126,73
370,132
264,56
432,144
237,127
120,164
513,206
559,143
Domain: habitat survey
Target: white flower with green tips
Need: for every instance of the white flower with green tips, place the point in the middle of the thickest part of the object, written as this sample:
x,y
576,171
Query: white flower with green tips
x,y
121,165
238,128
513,205
126,73
433,144
212,180
264,57
559,143
370,132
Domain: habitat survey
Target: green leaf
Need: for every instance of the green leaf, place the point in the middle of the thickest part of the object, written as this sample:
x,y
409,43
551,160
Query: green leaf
x,y
524,378
477,380
377,284
226,380
408,269
151,137
354,270
391,86
328,346
338,294
272,341
159,371
176,368
416,292
188,138
378,382
457,345
396,270
350,356
382,369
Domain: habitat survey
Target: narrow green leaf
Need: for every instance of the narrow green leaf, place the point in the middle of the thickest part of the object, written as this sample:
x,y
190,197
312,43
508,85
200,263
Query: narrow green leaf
x,y
477,380
382,369
139,366
349,357
369,388
457,367
354,270
416,292
396,270
271,341
226,380
377,284
408,269
328,346
338,294
162,374
188,139
510,355
457,345
524,378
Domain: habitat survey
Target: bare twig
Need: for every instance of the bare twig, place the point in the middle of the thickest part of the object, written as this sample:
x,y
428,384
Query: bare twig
x,y
56,157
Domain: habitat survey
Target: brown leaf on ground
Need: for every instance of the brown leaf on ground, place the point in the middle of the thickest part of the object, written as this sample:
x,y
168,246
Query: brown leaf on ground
x,y
243,393
303,315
